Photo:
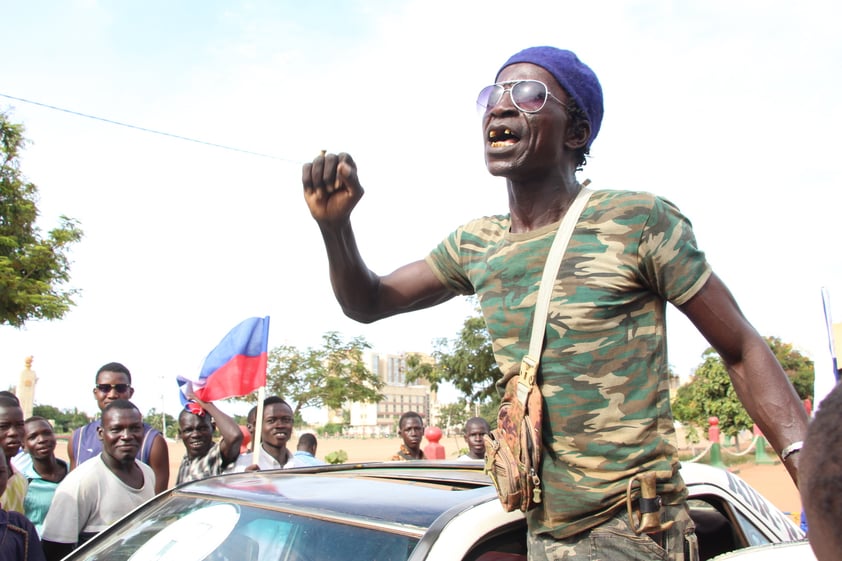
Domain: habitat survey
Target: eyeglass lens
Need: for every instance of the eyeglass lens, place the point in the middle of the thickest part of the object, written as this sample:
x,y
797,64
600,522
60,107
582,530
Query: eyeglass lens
x,y
528,95
105,388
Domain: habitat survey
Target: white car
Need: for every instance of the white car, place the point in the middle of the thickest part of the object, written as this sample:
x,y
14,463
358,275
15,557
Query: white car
x,y
390,511
787,551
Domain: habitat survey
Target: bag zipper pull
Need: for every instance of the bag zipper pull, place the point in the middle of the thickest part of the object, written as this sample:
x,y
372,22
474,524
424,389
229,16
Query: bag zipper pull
x,y
536,491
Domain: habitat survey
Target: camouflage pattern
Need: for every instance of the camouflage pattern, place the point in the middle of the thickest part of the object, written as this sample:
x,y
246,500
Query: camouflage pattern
x,y
615,541
604,370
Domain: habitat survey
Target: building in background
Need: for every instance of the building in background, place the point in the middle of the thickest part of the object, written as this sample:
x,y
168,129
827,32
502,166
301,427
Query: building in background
x,y
381,419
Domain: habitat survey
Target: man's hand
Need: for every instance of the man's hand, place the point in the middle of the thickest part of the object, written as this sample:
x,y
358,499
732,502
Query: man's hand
x,y
331,188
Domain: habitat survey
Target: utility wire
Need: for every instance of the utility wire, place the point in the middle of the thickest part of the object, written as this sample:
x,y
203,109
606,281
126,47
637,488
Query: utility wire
x,y
144,129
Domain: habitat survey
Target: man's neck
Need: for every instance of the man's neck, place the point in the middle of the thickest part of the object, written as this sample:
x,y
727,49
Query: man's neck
x,y
202,454
533,205
414,452
126,471
46,467
281,454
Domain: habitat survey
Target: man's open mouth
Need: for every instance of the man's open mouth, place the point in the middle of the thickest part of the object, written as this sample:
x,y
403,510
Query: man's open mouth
x,y
502,137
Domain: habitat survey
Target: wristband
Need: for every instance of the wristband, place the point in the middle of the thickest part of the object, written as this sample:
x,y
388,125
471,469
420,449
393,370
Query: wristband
x,y
791,449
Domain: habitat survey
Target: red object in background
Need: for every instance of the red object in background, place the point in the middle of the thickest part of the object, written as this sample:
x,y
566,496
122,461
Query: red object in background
x,y
433,450
244,446
713,430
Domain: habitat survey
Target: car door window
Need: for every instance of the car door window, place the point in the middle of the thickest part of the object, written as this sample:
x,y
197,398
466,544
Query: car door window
x,y
508,544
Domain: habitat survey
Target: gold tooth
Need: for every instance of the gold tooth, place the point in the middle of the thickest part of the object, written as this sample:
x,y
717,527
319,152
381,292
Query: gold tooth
x,y
508,131
492,134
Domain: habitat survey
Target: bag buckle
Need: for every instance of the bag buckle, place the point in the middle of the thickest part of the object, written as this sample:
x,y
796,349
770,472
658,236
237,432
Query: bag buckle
x,y
526,379
536,482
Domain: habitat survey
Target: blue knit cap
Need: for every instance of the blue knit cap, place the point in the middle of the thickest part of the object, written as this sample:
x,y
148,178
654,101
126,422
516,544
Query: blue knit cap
x,y
577,79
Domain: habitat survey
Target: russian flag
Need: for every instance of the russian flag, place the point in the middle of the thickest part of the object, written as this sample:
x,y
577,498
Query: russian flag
x,y
236,367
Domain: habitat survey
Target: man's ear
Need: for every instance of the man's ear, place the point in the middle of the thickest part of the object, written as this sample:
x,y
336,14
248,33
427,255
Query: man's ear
x,y
578,135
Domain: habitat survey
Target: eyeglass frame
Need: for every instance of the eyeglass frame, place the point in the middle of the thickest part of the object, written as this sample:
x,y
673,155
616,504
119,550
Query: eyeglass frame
x,y
110,387
513,84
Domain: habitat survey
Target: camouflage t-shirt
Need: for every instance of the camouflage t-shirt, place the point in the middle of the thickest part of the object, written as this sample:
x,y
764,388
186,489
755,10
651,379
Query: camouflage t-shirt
x,y
604,370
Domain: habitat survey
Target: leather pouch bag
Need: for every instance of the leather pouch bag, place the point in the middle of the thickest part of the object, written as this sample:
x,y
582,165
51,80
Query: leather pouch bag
x,y
513,451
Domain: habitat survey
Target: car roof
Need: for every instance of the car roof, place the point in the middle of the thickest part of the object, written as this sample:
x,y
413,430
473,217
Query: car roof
x,y
416,493
401,493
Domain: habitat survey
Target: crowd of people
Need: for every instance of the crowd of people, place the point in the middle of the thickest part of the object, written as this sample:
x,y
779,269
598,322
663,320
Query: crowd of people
x,y
117,462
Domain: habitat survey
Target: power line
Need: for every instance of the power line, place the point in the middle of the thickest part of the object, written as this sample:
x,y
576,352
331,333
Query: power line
x,y
144,129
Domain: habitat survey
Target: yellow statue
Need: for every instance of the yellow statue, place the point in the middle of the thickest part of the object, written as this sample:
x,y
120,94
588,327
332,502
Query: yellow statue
x,y
26,388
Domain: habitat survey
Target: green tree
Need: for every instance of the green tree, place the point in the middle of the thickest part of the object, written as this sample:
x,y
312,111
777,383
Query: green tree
x,y
454,415
330,376
711,394
153,418
65,420
33,269
799,368
467,362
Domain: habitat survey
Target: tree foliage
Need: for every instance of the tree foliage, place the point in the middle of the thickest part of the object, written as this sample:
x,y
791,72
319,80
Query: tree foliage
x,y
467,362
330,376
800,369
153,418
711,394
33,269
65,420
454,415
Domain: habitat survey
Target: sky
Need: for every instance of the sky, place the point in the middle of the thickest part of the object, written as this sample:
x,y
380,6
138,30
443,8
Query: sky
x,y
730,109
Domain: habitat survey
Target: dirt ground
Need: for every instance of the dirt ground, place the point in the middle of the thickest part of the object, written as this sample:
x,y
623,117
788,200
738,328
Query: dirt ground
x,y
772,481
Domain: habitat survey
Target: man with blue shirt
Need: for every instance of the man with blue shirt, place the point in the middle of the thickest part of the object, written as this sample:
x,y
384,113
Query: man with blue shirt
x,y
305,453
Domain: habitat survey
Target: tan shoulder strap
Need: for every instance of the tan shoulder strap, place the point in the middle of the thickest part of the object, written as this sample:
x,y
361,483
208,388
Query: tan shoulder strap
x,y
529,364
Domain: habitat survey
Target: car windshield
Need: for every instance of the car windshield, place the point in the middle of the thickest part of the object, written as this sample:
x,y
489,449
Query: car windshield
x,y
196,529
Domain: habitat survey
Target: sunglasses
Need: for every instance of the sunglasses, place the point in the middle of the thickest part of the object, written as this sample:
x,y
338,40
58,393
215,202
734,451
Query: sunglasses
x,y
120,388
529,96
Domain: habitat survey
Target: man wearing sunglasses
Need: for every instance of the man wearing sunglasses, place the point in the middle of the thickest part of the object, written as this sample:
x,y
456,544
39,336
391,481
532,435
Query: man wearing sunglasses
x,y
113,382
603,370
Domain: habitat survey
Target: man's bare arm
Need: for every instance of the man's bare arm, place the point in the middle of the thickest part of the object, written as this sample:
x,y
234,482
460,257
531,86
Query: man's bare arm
x,y
760,382
71,454
232,436
332,190
159,461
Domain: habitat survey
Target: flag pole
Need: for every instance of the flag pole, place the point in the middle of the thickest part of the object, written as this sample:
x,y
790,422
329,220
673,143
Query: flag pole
x,y
258,424
829,322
